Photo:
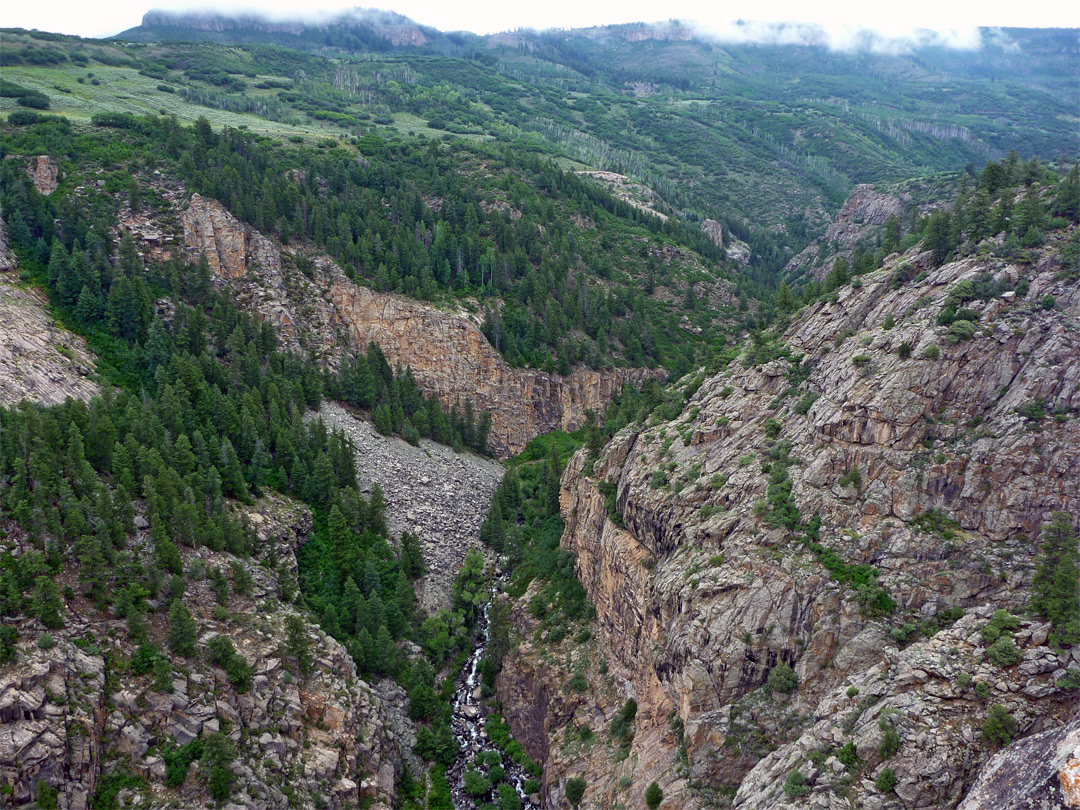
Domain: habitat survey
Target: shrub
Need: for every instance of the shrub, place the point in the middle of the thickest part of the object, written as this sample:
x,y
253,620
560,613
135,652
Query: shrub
x,y
1001,623
46,642
1048,302
982,689
904,352
782,678
34,99
795,784
848,755
579,683
852,691
852,478
24,118
886,780
1070,680
475,783
890,739
772,428
575,789
963,680
622,725
224,655
960,330
9,640
1004,652
508,797
653,796
47,796
861,360
932,352
999,726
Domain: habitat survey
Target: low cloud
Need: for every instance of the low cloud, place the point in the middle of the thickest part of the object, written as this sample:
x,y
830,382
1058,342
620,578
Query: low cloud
x,y
848,38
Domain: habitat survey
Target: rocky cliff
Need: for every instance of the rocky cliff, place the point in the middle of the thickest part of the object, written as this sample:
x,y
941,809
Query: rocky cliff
x,y
38,360
322,309
863,215
75,719
45,173
932,456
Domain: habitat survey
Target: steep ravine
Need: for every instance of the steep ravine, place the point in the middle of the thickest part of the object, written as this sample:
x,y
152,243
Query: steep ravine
x,y
699,598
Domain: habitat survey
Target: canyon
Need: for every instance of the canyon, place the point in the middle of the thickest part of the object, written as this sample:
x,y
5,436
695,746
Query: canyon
x,y
699,597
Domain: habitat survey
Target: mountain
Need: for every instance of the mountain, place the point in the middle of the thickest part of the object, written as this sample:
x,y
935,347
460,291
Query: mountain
x,y
616,417
356,30
766,139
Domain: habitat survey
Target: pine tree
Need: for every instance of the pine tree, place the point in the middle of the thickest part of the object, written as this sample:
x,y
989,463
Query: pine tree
x,y
1067,197
47,603
218,755
1055,587
412,555
182,630
162,671
492,530
297,644
551,480
891,239
785,301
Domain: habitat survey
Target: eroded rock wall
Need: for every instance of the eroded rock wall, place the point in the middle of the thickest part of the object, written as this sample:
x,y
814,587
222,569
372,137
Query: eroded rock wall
x,y
323,310
700,596
39,361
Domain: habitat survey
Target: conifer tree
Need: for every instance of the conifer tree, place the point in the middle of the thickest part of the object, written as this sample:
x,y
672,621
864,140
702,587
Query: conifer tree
x,y
47,603
182,630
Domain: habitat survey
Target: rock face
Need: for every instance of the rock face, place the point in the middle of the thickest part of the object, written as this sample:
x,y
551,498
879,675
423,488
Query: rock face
x,y
451,358
430,490
701,595
863,212
38,360
714,230
447,351
326,730
45,173
1040,771
8,262
917,693
227,244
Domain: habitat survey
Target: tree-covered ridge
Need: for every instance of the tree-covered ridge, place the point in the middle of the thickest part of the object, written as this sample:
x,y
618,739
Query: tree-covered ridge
x,y
565,273
1008,209
200,415
765,139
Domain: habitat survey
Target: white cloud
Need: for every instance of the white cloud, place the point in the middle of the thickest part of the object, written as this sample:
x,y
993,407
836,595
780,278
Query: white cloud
x,y
846,23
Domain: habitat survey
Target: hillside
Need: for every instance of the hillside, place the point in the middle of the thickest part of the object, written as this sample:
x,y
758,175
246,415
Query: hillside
x,y
613,419
720,131
805,562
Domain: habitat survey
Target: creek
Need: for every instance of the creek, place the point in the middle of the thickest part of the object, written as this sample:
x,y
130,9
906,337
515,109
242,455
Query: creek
x,y
470,714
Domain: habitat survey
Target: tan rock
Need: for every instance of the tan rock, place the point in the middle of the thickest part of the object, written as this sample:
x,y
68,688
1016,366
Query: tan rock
x,y
45,173
39,361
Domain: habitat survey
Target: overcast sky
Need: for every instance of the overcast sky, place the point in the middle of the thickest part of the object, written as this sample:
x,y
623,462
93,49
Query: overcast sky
x,y
843,16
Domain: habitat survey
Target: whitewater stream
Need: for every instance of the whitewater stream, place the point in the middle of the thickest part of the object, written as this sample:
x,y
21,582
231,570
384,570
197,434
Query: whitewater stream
x,y
468,727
